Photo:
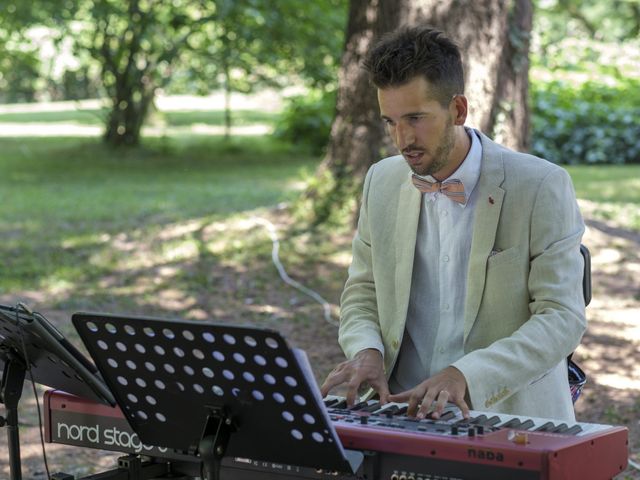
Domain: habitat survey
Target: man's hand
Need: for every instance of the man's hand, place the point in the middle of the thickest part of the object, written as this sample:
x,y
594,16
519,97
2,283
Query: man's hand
x,y
448,385
366,366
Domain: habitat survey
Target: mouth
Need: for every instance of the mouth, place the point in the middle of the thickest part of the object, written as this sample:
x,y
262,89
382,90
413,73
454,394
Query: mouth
x,y
414,157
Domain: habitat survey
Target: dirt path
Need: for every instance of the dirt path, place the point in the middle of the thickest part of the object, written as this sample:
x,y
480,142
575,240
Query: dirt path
x,y
609,353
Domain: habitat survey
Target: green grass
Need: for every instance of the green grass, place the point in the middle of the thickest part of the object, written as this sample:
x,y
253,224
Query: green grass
x,y
615,190
178,118
66,201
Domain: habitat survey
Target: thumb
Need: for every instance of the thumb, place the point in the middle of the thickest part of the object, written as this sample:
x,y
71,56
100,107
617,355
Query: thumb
x,y
400,397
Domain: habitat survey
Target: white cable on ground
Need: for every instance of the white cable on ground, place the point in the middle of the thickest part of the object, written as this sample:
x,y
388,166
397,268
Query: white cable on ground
x,y
283,274
634,464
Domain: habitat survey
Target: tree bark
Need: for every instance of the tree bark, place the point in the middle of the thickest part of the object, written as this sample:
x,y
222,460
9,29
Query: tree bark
x,y
493,36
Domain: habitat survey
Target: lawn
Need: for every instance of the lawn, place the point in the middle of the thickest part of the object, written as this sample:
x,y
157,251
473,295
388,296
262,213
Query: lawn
x,y
169,230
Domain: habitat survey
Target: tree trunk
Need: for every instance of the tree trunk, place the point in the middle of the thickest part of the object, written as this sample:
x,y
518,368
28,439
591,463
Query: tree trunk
x,y
493,36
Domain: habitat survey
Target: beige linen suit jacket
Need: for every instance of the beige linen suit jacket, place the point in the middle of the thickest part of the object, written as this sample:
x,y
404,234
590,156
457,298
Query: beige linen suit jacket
x,y
524,309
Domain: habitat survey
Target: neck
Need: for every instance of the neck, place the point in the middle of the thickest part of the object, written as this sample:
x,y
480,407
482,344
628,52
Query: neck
x,y
461,147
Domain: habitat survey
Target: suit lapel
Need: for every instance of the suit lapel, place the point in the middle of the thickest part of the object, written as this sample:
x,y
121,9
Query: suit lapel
x,y
406,232
487,215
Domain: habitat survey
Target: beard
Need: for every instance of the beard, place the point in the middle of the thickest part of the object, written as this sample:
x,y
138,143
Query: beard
x,y
440,157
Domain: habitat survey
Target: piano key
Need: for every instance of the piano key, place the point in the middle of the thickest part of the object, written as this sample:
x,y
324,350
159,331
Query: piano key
x,y
526,425
513,423
545,427
574,430
560,428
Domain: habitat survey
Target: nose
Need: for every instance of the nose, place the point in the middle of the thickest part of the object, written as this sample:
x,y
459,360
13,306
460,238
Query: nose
x,y
404,136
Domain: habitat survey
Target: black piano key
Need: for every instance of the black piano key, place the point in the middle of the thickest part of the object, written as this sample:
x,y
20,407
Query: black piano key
x,y
526,425
401,410
359,406
340,404
372,408
447,415
391,410
546,427
478,420
330,402
492,421
513,423
574,430
560,428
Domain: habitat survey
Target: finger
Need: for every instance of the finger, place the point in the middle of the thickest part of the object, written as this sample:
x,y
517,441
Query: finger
x,y
383,392
352,392
401,397
427,402
332,380
464,408
443,397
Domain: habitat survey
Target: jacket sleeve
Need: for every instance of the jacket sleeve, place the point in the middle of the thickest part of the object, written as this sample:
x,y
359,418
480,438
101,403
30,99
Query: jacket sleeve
x,y
359,323
557,319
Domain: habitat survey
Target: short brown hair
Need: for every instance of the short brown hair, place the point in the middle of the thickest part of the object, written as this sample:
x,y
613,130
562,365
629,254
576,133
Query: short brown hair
x,y
408,52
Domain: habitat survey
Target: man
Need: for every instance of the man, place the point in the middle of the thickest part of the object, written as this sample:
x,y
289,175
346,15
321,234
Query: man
x,y
465,284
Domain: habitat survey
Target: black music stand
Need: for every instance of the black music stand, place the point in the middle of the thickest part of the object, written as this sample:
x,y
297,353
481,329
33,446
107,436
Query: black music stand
x,y
216,390
29,343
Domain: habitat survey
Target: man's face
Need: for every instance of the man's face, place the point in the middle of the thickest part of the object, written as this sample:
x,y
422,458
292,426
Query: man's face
x,y
420,127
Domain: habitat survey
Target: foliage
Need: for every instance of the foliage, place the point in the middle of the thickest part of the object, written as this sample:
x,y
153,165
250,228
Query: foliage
x,y
141,45
306,120
608,20
591,124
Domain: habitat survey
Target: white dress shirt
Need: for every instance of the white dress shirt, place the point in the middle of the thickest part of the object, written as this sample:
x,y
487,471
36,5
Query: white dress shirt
x,y
433,337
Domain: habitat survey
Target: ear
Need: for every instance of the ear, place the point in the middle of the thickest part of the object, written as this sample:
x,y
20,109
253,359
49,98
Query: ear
x,y
458,109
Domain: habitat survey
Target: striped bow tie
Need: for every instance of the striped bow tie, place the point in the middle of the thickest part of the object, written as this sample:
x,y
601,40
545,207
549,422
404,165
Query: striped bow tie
x,y
454,189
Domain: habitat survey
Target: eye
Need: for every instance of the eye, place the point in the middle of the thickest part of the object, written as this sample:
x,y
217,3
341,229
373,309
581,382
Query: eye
x,y
414,119
388,122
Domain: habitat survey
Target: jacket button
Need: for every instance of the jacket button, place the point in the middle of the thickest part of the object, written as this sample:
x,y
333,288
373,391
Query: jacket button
x,y
395,344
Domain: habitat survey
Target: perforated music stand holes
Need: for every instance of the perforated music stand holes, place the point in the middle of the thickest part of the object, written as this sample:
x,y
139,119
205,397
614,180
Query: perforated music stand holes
x,y
288,416
168,333
248,376
149,332
159,350
150,366
250,341
281,362
217,390
309,419
208,337
207,372
219,356
230,339
140,348
259,360
189,370
197,353
299,399
188,335
129,330
278,397
238,357
198,388
111,328
270,379
271,342
297,434
258,395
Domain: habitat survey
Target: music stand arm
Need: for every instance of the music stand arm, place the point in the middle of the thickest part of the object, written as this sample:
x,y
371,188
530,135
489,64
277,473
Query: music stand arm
x,y
215,438
10,393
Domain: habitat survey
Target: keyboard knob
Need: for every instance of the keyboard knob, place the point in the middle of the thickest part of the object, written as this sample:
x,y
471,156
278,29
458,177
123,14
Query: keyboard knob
x,y
480,429
454,430
364,419
471,432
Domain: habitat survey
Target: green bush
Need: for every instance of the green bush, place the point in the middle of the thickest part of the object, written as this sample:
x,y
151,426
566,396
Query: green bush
x,y
591,124
306,120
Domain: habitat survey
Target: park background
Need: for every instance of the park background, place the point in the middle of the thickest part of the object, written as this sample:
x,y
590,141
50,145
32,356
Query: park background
x,y
144,144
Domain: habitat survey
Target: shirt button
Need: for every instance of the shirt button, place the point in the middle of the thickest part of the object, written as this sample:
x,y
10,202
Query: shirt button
x,y
445,258
446,306
445,213
395,343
